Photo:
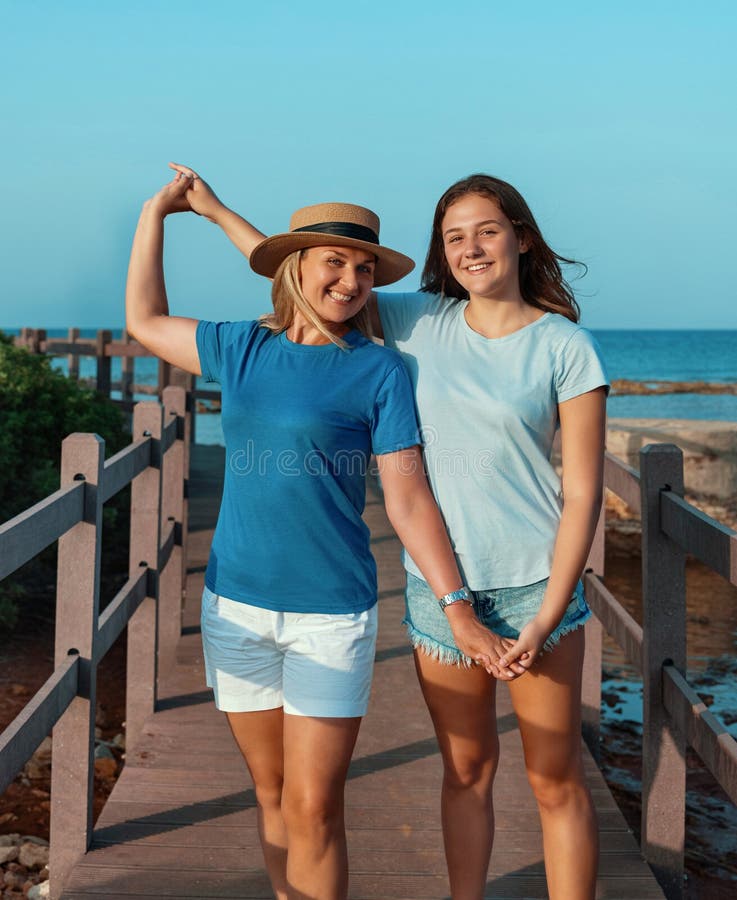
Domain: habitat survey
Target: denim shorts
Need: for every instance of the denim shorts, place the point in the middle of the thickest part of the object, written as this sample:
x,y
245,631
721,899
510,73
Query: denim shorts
x,y
311,664
505,611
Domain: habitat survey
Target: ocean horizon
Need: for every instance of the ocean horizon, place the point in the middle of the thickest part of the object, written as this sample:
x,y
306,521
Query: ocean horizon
x,y
644,355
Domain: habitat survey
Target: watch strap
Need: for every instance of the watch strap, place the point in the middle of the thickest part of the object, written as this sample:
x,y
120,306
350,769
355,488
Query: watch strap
x,y
462,595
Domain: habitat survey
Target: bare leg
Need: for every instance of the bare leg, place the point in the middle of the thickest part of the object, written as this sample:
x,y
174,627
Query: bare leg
x,y
462,705
317,752
260,737
547,701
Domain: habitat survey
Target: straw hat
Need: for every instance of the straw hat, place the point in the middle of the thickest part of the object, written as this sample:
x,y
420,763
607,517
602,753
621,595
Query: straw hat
x,y
332,225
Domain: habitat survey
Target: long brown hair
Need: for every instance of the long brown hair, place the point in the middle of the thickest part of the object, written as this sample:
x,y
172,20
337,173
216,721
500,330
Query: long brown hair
x,y
540,277
287,296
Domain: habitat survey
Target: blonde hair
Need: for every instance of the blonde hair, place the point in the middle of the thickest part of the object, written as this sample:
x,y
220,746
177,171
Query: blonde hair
x,y
287,296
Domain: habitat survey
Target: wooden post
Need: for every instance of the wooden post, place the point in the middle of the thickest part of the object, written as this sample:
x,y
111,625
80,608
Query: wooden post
x,y
591,683
73,358
171,585
186,380
33,338
126,371
77,606
145,539
664,640
164,377
103,362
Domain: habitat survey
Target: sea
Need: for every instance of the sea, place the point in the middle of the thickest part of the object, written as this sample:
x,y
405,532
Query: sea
x,y
635,355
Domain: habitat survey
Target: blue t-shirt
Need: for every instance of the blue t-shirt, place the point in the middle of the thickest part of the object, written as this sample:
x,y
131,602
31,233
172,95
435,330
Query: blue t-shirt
x,y
300,422
488,410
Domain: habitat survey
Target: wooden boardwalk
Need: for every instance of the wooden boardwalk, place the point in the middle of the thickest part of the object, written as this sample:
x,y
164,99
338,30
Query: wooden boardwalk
x,y
181,821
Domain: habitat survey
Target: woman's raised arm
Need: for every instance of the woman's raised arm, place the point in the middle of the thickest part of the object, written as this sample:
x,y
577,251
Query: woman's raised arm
x,y
147,316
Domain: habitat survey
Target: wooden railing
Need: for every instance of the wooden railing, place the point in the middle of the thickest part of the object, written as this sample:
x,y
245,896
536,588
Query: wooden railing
x,y
156,465
102,348
673,715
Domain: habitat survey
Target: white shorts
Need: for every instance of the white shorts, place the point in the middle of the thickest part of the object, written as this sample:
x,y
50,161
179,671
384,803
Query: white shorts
x,y
312,664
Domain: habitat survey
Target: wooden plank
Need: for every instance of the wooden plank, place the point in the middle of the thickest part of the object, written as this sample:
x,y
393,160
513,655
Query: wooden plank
x,y
622,480
19,740
201,834
702,730
122,883
614,617
117,613
123,467
698,534
31,531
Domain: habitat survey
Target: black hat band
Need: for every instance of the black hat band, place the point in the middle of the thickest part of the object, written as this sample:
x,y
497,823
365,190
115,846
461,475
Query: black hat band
x,y
343,229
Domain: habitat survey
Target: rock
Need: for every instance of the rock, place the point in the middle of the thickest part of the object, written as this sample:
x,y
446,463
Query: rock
x,y
119,741
102,751
13,880
32,839
33,770
8,854
43,751
8,817
32,856
8,840
106,767
40,891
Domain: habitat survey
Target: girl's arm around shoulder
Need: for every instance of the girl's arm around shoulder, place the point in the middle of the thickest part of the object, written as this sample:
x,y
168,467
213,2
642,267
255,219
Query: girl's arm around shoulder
x,y
394,314
203,200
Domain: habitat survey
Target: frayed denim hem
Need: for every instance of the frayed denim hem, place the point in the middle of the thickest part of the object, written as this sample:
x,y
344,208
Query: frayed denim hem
x,y
447,656
563,630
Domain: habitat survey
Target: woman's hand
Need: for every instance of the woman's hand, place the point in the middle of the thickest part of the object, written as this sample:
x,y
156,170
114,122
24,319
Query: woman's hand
x,y
171,198
480,644
200,196
528,646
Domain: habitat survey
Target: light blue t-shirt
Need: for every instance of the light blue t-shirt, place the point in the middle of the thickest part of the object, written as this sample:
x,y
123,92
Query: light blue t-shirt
x,y
300,423
488,412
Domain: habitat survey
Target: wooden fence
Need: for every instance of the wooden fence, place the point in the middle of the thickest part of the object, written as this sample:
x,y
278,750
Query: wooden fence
x,y
102,348
673,716
156,465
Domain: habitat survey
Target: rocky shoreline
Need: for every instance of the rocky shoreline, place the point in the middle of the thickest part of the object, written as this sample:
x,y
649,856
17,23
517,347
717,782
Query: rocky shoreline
x,y
624,386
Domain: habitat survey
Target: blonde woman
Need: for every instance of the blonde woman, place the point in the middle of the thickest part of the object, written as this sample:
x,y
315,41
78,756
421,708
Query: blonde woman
x,y
289,607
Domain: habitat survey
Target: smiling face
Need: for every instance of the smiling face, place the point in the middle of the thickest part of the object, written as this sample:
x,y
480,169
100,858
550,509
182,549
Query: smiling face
x,y
336,282
482,248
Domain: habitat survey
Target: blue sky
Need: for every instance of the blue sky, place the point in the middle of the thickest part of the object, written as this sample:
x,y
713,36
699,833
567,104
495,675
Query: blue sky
x,y
616,121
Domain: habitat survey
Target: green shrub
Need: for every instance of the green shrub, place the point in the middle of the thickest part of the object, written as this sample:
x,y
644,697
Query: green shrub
x,y
39,407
